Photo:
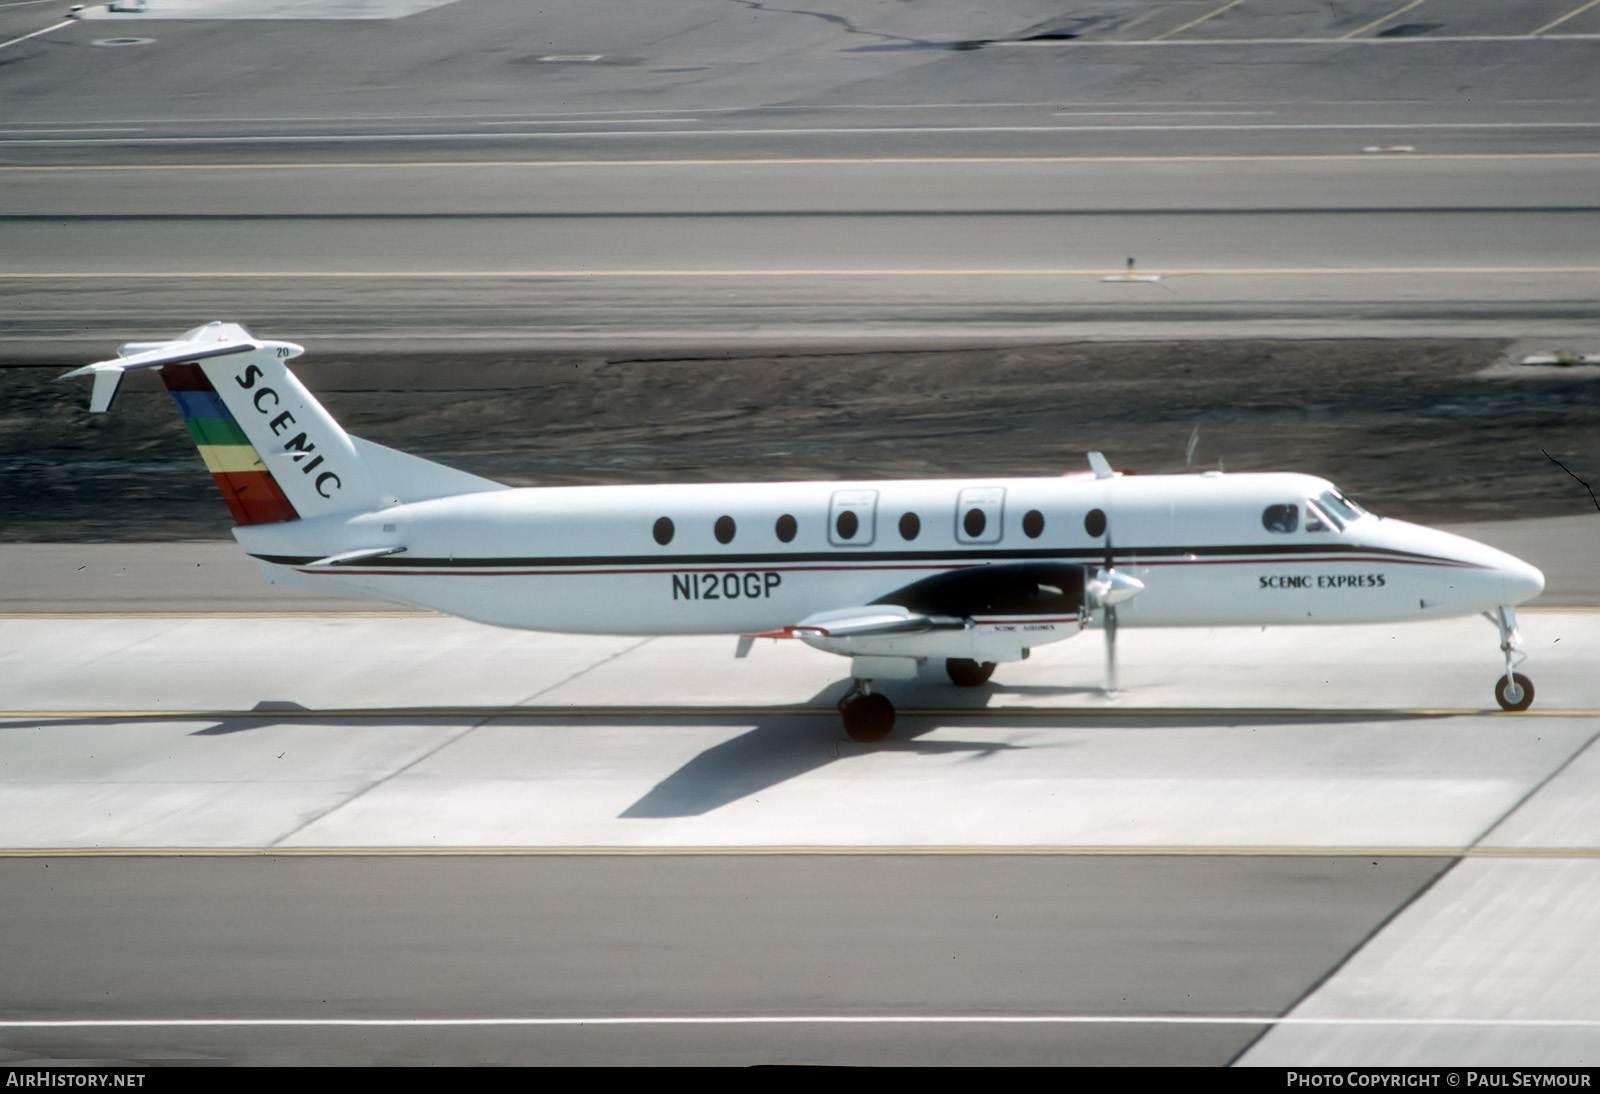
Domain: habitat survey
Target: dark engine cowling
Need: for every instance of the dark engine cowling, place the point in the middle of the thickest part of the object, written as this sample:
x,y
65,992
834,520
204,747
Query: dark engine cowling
x,y
1022,588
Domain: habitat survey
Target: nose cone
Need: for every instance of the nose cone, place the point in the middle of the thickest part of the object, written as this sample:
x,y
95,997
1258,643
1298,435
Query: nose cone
x,y
1522,582
1473,577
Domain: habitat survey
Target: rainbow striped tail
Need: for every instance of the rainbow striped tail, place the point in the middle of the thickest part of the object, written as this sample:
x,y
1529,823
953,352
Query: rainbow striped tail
x,y
252,494
275,453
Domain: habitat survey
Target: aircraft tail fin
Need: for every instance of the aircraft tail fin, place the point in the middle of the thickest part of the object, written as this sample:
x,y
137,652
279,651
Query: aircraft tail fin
x,y
273,450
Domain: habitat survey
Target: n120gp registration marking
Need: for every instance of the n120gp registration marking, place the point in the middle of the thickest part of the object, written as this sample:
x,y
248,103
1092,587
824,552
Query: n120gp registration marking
x,y
742,585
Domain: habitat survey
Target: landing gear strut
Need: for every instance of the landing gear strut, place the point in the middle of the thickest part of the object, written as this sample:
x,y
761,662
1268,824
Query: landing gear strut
x,y
868,716
1513,691
967,673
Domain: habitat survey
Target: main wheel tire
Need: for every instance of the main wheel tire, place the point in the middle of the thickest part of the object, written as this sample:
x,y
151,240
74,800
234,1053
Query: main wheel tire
x,y
1514,694
868,717
967,673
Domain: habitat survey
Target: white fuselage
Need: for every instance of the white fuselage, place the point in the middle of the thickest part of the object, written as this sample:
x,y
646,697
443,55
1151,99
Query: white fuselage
x,y
591,560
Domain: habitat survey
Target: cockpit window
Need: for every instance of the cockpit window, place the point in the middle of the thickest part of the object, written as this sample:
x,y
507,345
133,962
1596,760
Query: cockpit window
x,y
1336,504
1281,518
1319,520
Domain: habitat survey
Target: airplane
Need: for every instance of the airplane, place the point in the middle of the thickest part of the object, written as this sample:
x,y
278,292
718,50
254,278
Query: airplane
x,y
891,574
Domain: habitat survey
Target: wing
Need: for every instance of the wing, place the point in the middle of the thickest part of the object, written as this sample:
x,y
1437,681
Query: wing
x,y
954,600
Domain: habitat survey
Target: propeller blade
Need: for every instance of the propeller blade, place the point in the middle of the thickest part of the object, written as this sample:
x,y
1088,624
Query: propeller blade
x,y
1111,649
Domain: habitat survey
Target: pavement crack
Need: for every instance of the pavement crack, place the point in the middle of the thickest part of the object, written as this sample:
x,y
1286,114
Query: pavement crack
x,y
1528,796
448,741
836,20
586,670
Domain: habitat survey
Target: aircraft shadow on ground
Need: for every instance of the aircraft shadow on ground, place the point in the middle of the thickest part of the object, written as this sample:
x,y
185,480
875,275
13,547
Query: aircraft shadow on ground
x,y
781,745
776,750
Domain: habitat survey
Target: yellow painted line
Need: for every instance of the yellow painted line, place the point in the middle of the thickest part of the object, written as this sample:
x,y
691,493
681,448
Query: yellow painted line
x,y
821,161
593,275
1062,851
1196,22
738,711
1378,22
1579,10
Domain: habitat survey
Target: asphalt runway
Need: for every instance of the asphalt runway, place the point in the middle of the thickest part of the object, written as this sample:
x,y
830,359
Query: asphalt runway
x,y
674,178
427,842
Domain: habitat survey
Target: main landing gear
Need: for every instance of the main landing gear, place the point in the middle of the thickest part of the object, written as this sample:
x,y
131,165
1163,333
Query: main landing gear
x,y
868,716
967,673
1513,691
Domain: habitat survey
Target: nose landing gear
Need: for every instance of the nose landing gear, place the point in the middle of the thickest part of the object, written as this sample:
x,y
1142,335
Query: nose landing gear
x,y
1513,691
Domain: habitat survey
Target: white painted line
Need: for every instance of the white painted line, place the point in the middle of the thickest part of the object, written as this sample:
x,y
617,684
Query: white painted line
x,y
1231,43
780,161
1159,113
1378,22
1557,22
95,129
592,273
597,121
867,131
35,34
1197,22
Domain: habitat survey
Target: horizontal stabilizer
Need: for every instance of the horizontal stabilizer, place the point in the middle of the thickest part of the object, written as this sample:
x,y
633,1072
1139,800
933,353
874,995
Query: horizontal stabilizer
x,y
202,343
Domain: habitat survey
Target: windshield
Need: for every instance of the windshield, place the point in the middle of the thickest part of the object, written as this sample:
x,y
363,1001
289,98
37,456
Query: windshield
x,y
1337,505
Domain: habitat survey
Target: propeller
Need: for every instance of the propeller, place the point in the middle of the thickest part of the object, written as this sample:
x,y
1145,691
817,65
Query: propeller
x,y
1106,590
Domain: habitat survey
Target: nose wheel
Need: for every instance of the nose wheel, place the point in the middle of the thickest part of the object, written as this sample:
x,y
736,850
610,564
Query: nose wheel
x,y
868,716
1513,691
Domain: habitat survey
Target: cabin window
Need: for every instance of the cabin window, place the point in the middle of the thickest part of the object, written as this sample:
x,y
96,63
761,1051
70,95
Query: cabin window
x,y
1033,524
663,531
724,529
786,528
852,518
1095,523
910,526
980,514
1281,518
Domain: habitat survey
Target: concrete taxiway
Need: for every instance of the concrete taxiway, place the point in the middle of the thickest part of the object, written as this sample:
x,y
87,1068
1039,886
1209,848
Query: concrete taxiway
x,y
1316,845
409,731
847,172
